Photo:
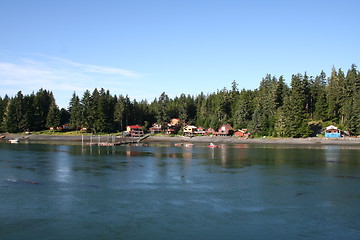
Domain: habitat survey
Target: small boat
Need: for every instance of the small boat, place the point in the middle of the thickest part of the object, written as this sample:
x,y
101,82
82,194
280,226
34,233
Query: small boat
x,y
178,144
188,145
211,145
14,140
2,137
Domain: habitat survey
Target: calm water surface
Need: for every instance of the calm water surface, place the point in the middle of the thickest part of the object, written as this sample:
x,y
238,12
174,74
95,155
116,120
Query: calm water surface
x,y
58,191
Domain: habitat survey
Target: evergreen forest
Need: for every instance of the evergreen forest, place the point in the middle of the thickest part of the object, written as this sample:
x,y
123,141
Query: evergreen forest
x,y
302,109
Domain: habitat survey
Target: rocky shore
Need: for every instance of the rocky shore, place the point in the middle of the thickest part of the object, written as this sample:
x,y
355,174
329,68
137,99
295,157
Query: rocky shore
x,y
234,140
179,139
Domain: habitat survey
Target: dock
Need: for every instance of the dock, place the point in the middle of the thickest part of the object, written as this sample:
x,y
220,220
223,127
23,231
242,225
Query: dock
x,y
115,141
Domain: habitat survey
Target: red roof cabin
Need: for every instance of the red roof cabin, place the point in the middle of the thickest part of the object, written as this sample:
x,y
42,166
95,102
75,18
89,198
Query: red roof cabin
x,y
210,131
156,128
174,122
135,130
225,130
170,131
189,130
243,133
201,131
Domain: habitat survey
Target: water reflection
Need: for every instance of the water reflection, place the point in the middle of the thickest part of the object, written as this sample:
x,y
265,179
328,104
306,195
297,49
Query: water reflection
x,y
68,160
332,153
157,191
63,164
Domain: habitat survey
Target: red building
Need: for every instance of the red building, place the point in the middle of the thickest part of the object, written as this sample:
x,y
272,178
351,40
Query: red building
x,y
156,128
242,133
135,130
225,130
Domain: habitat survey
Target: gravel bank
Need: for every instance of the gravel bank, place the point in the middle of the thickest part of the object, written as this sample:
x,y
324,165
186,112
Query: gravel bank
x,y
199,139
234,140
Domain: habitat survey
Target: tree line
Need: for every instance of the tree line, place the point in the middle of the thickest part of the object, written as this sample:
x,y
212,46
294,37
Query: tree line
x,y
273,109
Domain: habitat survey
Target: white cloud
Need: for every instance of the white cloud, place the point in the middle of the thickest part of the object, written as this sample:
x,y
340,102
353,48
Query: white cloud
x,y
62,76
95,68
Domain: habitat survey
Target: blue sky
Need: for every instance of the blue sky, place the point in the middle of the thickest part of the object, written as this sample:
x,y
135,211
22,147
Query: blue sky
x,y
143,48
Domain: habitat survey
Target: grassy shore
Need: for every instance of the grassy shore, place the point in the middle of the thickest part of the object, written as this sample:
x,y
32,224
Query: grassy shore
x,y
178,139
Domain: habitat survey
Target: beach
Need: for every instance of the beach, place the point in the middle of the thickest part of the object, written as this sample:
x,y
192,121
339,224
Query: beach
x,y
267,140
181,139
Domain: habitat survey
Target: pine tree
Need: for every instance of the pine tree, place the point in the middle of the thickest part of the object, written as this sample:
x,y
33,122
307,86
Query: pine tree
x,y
280,90
222,106
162,115
87,119
203,112
335,93
142,113
191,109
42,101
75,111
244,109
29,113
182,108
3,106
14,114
268,99
260,121
2,112
109,108
321,106
100,121
352,87
103,107
64,116
353,124
297,107
318,102
119,113
53,118
128,111
10,120
281,120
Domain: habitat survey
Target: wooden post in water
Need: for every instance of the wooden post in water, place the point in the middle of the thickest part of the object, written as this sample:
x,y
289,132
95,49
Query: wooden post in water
x,y
82,140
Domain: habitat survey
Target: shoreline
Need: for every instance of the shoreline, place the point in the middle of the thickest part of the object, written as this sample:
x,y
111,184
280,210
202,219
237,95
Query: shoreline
x,y
234,140
182,139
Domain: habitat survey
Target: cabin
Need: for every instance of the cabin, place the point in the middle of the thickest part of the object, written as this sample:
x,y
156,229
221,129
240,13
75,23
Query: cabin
x,y
173,126
169,131
190,130
243,133
201,131
210,131
156,128
174,122
332,132
135,130
225,130
67,127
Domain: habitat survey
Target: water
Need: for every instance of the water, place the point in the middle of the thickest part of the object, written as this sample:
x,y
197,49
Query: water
x,y
58,191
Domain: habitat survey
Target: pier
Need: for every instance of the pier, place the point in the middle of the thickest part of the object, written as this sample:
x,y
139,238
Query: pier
x,y
113,140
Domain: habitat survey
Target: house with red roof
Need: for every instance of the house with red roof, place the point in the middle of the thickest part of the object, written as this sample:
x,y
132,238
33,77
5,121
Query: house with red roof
x,y
201,131
210,131
243,133
135,130
156,128
189,130
225,130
